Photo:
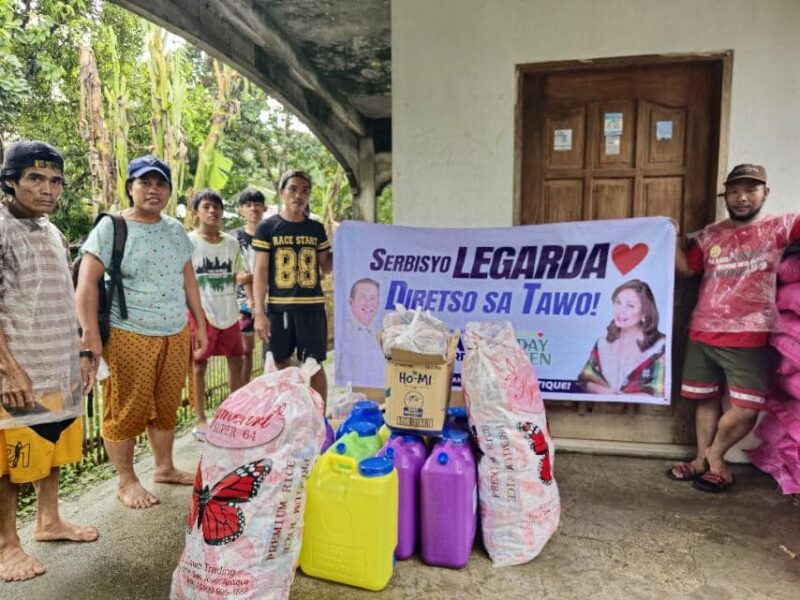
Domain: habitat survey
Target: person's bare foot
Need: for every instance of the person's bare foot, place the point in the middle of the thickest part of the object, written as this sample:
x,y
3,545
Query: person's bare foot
x,y
688,471
63,530
717,464
134,495
15,565
173,475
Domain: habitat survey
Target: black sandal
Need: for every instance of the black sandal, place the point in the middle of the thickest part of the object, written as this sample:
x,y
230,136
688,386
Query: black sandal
x,y
712,482
685,472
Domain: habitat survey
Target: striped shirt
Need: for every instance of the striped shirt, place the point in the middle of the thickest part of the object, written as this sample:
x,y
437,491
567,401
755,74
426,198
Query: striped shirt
x,y
37,316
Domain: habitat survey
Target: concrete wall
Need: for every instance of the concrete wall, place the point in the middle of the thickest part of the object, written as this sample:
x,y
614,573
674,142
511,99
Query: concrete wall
x,y
454,88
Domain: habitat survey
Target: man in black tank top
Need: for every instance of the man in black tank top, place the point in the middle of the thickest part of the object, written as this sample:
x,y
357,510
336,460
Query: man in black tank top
x,y
292,251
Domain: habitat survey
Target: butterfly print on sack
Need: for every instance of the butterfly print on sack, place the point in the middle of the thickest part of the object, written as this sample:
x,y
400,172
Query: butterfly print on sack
x,y
214,510
538,444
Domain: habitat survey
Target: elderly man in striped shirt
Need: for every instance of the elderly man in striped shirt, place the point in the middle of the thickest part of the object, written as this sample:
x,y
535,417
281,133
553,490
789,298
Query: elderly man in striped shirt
x,y
43,373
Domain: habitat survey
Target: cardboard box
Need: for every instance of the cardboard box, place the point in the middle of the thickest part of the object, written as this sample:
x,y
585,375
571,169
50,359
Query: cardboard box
x,y
418,389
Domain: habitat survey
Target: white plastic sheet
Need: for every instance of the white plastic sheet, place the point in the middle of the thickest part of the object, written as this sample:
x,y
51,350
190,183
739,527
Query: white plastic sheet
x,y
38,319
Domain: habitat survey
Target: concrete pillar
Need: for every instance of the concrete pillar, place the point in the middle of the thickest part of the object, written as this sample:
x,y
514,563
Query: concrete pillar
x,y
364,197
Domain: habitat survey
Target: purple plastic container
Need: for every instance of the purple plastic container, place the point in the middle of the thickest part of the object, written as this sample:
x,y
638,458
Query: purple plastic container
x,y
449,501
329,437
408,453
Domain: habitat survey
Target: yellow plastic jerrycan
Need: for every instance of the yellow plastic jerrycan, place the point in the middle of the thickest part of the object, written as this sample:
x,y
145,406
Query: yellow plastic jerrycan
x,y
351,521
384,432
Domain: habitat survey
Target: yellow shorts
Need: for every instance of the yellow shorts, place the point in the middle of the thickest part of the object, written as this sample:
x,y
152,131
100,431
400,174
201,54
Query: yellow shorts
x,y
148,374
27,455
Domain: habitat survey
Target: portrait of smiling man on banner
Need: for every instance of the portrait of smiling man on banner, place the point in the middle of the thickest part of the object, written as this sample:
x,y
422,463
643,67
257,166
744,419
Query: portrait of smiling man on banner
x,y
363,358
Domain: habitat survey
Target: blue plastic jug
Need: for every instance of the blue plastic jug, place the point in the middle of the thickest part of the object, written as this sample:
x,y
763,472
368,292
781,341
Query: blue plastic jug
x,y
364,410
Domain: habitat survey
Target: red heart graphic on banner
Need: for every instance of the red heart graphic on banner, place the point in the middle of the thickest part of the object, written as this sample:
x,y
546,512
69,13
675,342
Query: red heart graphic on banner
x,y
626,258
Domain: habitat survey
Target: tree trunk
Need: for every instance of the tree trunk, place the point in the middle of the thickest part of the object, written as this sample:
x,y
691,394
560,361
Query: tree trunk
x,y
93,129
329,208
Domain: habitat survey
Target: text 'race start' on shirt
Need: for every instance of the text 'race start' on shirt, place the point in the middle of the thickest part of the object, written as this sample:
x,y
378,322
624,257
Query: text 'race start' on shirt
x,y
294,275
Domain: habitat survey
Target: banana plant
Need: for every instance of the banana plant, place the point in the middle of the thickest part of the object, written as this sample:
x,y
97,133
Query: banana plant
x,y
168,90
226,106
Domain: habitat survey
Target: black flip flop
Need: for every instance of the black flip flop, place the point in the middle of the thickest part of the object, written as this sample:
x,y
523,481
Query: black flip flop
x,y
686,470
712,482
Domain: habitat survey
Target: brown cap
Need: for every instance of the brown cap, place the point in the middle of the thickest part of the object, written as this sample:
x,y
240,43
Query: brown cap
x,y
747,171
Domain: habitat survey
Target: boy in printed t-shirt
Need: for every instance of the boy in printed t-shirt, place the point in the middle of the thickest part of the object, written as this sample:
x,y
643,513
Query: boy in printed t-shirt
x,y
218,265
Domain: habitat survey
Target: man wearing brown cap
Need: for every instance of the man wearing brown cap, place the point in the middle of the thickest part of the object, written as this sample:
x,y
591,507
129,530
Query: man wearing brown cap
x,y
43,372
731,322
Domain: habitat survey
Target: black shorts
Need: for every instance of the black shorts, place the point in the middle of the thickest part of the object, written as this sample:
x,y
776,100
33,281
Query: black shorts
x,y
303,330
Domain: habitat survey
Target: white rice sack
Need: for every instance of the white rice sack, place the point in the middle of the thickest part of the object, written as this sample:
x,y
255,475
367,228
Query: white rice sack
x,y
519,502
245,522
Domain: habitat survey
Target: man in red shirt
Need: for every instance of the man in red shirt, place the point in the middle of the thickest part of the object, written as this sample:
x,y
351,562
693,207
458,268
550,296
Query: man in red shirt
x,y
731,322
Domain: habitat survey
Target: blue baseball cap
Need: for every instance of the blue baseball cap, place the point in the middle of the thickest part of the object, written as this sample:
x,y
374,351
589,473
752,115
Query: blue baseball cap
x,y
145,164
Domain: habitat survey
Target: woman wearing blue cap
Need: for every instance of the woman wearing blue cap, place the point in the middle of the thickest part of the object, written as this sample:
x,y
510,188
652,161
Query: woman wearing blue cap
x,y
148,353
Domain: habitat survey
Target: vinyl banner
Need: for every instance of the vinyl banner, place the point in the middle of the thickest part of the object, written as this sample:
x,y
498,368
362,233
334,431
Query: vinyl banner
x,y
591,301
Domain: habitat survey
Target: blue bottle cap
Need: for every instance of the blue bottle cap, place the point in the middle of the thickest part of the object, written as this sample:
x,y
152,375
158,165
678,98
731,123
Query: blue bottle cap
x,y
389,453
442,458
375,466
458,412
363,405
455,435
364,428
341,448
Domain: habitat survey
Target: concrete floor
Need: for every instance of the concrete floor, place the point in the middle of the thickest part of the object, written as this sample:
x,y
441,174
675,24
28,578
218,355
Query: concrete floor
x,y
626,532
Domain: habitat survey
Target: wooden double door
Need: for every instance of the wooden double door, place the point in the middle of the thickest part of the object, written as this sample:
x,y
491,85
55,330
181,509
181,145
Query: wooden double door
x,y
615,142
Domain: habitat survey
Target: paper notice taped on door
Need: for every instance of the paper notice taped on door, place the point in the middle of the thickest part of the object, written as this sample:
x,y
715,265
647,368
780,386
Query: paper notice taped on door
x,y
562,140
612,124
663,130
613,144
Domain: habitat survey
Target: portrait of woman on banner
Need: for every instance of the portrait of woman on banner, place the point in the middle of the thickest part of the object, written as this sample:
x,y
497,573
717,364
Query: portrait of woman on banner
x,y
629,359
